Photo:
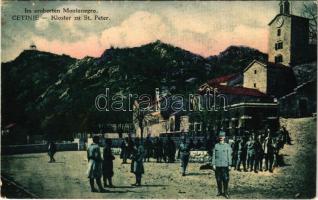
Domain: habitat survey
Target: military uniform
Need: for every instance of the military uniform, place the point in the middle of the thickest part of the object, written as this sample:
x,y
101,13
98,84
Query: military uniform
x,y
268,153
221,162
241,155
148,149
184,153
51,151
170,150
258,155
158,151
235,146
107,165
138,166
250,154
94,170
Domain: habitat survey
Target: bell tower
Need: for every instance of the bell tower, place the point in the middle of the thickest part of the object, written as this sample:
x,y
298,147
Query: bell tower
x,y
284,7
288,37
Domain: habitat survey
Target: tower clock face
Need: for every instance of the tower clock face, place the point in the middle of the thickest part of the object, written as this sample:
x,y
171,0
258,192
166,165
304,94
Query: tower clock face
x,y
279,22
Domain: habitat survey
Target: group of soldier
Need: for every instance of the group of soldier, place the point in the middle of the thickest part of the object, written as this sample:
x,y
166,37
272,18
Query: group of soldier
x,y
251,151
157,148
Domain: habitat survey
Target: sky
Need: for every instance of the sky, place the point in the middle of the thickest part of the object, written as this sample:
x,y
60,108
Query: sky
x,y
205,28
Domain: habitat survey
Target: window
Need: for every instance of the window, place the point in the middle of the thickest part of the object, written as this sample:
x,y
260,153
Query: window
x,y
278,59
278,45
255,71
255,85
278,32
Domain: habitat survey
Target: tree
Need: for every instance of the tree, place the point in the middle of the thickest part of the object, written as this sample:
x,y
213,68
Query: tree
x,y
139,116
309,11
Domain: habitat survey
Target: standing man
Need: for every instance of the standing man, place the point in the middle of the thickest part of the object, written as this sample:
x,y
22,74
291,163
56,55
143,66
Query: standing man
x,y
108,156
94,170
241,154
234,147
171,149
268,153
51,151
184,154
260,153
124,150
158,149
221,164
137,158
148,148
251,153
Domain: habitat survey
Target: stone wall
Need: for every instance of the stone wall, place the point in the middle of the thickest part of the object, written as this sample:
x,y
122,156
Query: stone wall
x,y
284,37
256,74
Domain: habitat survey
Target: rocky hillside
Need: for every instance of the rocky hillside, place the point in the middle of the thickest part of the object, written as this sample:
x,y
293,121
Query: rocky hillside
x,y
23,80
46,92
234,59
305,72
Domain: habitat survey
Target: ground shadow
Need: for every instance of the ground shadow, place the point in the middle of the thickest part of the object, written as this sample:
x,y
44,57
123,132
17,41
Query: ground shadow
x,y
194,174
57,162
123,187
118,192
152,186
281,161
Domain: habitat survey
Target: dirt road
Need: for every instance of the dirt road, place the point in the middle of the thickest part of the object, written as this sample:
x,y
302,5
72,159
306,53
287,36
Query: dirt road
x,y
66,178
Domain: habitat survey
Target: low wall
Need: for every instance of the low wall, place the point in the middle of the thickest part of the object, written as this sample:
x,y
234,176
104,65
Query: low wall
x,y
195,156
199,157
36,148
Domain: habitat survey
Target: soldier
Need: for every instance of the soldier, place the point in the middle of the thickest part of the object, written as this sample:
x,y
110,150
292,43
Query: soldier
x,y
234,147
286,135
94,170
108,164
250,153
148,148
268,153
124,151
51,151
130,147
221,164
277,144
138,166
158,149
170,150
184,154
258,154
241,154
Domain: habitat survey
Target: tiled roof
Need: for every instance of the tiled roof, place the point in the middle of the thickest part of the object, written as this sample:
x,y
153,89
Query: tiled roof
x,y
240,91
222,79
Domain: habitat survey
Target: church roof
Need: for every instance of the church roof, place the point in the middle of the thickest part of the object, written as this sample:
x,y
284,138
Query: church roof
x,y
222,79
251,64
239,91
271,65
293,16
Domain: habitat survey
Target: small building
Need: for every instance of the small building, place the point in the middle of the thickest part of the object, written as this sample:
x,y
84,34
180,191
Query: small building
x,y
273,79
302,102
247,109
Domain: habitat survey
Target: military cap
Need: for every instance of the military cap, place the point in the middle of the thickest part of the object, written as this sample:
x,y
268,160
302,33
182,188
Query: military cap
x,y
221,134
